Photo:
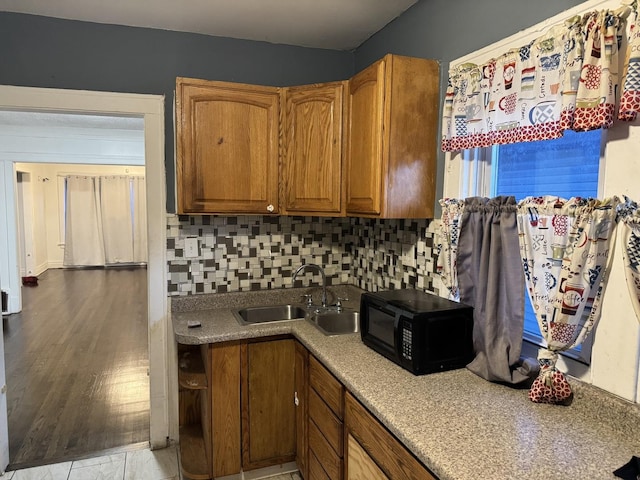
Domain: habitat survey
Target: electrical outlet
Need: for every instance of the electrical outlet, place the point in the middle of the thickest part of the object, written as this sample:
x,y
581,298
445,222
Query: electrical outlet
x,y
191,247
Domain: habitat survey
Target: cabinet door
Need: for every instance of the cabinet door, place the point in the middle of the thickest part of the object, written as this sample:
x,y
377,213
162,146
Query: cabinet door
x,y
268,413
381,446
313,119
364,154
361,465
393,114
227,147
411,131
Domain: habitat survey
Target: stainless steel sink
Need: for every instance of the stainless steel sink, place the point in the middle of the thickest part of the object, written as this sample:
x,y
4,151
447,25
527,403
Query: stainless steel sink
x,y
336,323
269,313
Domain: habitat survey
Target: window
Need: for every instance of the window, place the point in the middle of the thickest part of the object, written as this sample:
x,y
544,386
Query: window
x,y
464,176
567,167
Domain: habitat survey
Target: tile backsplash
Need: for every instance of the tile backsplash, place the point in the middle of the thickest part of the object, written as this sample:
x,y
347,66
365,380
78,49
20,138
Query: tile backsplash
x,y
261,252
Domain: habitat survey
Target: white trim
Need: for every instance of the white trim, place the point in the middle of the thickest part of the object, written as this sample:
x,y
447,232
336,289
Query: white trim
x,y
163,425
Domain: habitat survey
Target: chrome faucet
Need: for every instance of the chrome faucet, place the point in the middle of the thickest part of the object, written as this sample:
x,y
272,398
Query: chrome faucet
x,y
324,279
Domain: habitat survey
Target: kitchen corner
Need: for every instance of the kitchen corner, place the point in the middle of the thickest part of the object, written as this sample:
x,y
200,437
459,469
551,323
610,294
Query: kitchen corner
x,y
457,424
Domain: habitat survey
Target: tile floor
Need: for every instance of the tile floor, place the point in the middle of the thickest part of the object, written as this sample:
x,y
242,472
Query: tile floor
x,y
134,465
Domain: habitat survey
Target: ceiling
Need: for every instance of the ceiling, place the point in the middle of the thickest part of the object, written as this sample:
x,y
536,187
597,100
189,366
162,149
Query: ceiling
x,y
332,24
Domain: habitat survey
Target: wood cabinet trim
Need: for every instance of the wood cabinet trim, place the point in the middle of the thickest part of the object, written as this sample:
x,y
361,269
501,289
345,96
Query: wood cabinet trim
x,y
302,410
225,408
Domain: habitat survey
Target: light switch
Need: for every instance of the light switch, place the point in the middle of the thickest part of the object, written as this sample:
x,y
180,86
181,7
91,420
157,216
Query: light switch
x,y
191,247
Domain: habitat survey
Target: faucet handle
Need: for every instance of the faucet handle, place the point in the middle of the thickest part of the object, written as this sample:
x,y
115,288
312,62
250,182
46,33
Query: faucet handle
x,y
308,299
339,301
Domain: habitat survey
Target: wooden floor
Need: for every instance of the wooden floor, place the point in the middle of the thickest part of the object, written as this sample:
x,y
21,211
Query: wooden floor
x,y
76,364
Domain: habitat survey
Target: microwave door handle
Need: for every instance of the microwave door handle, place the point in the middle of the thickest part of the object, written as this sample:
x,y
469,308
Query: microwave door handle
x,y
397,334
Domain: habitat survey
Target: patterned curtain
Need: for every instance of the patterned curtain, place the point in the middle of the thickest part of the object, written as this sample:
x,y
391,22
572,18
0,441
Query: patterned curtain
x,y
565,79
629,217
449,233
630,98
565,248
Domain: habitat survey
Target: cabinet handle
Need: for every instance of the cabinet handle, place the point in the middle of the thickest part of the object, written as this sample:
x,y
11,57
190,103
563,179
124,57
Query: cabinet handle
x,y
270,208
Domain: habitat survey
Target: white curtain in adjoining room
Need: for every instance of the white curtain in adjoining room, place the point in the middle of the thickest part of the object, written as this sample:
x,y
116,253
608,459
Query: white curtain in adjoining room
x,y
83,223
117,221
105,221
139,208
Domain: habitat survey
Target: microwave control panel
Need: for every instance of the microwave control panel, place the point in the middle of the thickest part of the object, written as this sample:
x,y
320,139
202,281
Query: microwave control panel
x,y
407,340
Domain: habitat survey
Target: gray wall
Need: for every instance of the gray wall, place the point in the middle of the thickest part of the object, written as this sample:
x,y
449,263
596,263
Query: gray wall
x,y
53,53
44,52
446,30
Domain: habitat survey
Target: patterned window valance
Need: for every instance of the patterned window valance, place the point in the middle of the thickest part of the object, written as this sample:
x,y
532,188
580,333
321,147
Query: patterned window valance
x,y
566,79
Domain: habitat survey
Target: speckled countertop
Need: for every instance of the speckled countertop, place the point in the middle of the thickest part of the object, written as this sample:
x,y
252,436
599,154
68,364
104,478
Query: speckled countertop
x,y
459,425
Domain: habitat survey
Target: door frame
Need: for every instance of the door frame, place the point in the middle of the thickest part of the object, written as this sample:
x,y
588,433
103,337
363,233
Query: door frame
x,y
163,421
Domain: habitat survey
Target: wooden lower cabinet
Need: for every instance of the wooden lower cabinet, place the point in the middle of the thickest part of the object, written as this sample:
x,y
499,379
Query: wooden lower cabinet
x,y
251,404
194,414
236,408
268,413
381,448
326,411
361,465
316,472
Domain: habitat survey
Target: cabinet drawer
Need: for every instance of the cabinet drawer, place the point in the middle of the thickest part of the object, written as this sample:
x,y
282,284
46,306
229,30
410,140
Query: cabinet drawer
x,y
327,386
315,469
328,424
388,453
330,461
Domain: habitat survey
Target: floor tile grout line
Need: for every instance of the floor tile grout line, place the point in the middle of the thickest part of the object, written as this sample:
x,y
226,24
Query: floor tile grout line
x,y
124,470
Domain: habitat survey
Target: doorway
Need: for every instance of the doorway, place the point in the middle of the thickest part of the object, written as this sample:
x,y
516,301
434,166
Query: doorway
x,y
77,354
163,395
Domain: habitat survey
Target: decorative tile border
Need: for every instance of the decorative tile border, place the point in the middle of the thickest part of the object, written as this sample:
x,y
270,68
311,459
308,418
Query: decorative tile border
x,y
247,253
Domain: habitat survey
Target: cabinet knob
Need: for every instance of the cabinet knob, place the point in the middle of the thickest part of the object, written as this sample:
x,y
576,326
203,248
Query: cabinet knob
x,y
270,208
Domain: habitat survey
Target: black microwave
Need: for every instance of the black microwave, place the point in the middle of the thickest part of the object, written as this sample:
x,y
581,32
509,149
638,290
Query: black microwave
x,y
419,331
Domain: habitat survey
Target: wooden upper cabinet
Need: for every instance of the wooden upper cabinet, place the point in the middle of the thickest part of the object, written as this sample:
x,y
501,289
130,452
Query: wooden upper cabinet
x,y
392,135
227,147
313,149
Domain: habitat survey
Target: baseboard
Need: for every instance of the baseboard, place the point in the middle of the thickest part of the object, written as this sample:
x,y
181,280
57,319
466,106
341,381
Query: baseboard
x,y
40,269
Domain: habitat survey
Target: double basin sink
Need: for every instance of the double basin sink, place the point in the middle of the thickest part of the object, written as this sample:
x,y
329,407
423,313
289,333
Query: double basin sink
x,y
329,320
